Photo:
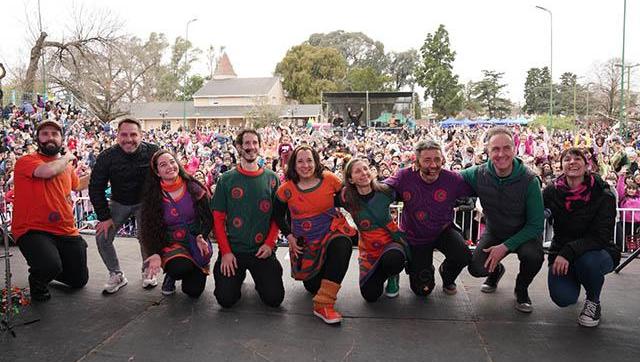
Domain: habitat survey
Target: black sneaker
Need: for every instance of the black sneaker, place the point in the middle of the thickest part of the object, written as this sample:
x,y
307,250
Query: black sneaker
x,y
491,283
523,302
168,285
590,316
449,289
38,291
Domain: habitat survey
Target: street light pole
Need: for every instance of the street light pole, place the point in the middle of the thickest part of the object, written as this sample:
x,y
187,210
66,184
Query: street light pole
x,y
44,81
550,65
623,115
184,80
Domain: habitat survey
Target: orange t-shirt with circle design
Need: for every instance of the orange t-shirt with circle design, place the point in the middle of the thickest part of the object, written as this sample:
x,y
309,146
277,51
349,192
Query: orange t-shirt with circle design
x,y
42,204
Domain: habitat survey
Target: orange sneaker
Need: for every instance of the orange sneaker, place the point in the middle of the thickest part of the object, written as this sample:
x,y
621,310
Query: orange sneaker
x,y
327,314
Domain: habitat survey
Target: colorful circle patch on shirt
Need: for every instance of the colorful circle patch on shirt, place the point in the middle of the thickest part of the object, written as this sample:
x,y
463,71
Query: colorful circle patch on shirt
x,y
179,234
421,215
174,212
307,225
440,195
54,216
265,205
406,196
237,222
365,224
259,238
237,192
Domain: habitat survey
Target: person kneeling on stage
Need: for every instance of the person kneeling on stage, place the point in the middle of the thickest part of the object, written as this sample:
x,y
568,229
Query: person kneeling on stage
x,y
176,222
318,233
246,234
382,248
43,223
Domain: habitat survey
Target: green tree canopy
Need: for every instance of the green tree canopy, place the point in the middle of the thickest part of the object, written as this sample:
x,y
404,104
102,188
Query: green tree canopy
x,y
536,91
172,74
435,74
487,93
308,70
401,67
367,79
358,49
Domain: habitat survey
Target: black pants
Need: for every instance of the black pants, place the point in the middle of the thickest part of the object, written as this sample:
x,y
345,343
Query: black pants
x,y
390,263
54,257
530,254
193,279
266,273
421,270
335,264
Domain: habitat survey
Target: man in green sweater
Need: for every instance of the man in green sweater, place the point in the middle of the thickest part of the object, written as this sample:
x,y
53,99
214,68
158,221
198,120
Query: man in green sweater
x,y
514,216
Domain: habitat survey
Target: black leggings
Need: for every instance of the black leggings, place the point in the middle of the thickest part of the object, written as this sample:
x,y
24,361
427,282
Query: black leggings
x,y
59,257
335,264
193,279
390,263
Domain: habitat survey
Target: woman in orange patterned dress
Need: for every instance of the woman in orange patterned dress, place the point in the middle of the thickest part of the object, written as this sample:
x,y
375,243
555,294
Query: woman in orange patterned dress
x,y
318,234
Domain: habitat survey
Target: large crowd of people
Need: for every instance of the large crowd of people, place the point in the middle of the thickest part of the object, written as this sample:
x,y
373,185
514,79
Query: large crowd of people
x,y
245,187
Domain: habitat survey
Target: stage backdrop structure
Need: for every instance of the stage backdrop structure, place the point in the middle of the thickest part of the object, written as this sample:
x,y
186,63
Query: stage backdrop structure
x,y
368,109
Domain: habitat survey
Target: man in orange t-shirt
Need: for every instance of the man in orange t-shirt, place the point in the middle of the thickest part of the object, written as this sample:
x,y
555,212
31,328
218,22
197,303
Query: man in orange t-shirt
x,y
42,222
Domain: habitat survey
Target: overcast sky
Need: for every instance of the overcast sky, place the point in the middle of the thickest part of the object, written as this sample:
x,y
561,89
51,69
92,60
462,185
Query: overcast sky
x,y
506,36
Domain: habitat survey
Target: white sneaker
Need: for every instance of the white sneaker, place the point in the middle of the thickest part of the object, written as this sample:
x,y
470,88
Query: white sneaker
x,y
149,282
115,282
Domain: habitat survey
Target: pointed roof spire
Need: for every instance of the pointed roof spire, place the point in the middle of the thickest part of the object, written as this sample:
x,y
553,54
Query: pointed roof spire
x,y
224,69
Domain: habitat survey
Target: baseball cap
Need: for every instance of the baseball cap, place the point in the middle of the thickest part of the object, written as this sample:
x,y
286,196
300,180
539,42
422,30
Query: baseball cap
x,y
49,123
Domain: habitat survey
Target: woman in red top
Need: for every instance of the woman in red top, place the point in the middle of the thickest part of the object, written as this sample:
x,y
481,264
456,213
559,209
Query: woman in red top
x,y
318,233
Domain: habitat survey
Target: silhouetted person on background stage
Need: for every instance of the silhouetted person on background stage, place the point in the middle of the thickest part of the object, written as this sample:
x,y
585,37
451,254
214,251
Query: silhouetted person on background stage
x,y
355,117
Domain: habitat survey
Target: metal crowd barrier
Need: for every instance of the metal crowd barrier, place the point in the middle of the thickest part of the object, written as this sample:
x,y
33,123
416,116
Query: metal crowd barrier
x,y
86,221
626,233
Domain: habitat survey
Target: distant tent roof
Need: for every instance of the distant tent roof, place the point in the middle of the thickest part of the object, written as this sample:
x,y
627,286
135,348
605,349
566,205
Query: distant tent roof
x,y
452,122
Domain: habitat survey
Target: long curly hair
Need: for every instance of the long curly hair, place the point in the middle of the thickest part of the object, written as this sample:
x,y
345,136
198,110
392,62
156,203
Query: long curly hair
x,y
350,195
152,227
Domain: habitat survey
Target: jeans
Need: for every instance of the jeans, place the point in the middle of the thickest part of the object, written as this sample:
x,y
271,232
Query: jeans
x,y
530,254
588,270
119,214
54,257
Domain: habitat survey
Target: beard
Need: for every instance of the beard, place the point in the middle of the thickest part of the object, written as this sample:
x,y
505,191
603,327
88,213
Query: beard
x,y
248,156
49,148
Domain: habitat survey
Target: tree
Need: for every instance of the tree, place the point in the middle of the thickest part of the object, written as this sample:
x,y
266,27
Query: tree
x,y
487,93
263,114
568,81
472,108
402,66
435,74
367,79
93,29
101,76
194,83
607,89
358,49
536,91
151,51
171,75
308,70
